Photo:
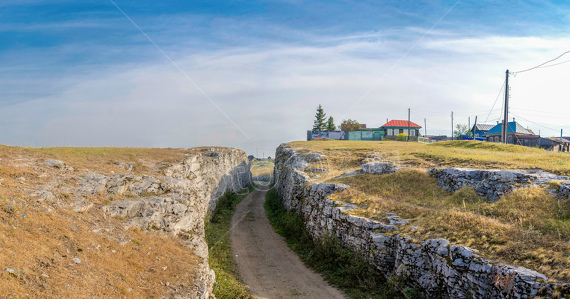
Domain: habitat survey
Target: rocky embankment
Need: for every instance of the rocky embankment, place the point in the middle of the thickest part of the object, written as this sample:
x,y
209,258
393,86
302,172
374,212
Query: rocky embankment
x,y
179,201
438,268
109,227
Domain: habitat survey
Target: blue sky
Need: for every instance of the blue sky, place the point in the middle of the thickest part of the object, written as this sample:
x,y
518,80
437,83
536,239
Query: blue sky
x,y
80,73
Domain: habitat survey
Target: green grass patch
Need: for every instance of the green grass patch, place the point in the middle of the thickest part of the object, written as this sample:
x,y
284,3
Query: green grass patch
x,y
339,265
228,285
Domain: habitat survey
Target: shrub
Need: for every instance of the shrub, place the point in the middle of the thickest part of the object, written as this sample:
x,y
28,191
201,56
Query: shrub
x,y
402,137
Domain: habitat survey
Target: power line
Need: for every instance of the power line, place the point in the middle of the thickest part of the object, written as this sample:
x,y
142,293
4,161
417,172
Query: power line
x,y
498,95
545,112
539,115
540,65
563,62
534,122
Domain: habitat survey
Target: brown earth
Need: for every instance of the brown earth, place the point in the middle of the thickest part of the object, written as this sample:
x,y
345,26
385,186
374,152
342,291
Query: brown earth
x,y
265,263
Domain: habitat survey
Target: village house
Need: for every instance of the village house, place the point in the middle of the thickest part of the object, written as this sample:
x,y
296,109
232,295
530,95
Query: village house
x,y
514,132
480,130
394,127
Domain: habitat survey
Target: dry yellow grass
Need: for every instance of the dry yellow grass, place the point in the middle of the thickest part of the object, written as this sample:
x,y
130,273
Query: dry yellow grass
x,y
103,159
262,168
477,154
40,240
528,227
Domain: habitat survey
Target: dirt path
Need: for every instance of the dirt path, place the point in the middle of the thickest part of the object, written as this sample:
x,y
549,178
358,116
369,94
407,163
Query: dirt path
x,y
265,263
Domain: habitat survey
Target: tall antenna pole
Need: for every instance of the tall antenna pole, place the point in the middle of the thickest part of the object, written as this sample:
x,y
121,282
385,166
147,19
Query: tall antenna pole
x,y
506,119
408,138
425,127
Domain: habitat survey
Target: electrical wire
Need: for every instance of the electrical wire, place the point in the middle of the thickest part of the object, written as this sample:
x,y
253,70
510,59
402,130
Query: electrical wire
x,y
549,113
534,122
498,95
554,64
541,65
538,115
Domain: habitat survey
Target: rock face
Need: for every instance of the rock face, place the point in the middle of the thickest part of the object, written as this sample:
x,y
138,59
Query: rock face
x,y
493,183
179,201
436,267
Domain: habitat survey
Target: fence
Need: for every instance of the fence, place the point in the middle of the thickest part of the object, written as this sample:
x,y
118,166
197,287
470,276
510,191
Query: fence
x,y
346,135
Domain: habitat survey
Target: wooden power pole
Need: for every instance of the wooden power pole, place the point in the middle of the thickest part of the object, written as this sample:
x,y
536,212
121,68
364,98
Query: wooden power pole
x,y
408,138
506,119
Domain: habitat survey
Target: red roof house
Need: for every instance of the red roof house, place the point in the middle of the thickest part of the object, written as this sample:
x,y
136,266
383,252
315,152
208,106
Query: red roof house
x,y
395,127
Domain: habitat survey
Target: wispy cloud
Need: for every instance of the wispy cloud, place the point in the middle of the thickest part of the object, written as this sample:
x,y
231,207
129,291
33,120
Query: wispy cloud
x,y
272,91
267,71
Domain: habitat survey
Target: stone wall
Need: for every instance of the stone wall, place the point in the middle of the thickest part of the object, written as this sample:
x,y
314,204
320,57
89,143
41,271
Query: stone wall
x,y
178,200
436,267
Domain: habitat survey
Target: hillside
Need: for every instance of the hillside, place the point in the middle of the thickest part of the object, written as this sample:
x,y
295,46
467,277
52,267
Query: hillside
x,y
529,227
58,237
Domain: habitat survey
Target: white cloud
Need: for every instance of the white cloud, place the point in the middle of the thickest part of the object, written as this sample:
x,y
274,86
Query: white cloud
x,y
271,92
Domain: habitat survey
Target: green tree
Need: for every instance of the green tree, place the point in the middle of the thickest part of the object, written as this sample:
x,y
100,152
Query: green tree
x,y
330,124
349,125
319,124
461,129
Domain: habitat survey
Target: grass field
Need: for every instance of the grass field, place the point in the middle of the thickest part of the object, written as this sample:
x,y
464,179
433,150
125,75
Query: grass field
x,y
262,168
528,227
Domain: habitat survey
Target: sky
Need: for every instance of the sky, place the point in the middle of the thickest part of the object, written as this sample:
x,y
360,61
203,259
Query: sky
x,y
250,74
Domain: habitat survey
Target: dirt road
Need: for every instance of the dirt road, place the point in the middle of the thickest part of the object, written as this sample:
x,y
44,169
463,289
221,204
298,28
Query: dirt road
x,y
265,263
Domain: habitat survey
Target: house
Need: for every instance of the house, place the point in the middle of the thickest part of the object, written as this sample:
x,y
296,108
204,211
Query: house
x,y
514,130
394,127
479,130
563,144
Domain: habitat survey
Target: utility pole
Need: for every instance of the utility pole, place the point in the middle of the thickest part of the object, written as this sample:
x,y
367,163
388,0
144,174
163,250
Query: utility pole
x,y
560,134
506,119
408,138
425,127
469,123
451,125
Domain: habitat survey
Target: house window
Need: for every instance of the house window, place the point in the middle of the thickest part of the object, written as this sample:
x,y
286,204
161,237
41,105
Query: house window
x,y
510,139
401,131
413,133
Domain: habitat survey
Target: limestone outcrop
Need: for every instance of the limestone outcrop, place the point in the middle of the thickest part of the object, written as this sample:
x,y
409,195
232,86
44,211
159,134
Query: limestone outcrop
x,y
179,201
494,183
438,268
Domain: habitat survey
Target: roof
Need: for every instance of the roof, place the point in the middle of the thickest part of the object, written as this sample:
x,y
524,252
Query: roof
x,y
401,123
484,127
528,136
564,139
512,125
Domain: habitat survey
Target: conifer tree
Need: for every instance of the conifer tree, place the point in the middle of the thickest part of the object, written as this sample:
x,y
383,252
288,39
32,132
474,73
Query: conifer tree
x,y
319,124
330,124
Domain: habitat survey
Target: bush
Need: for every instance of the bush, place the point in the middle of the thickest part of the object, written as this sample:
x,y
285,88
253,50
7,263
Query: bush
x,y
402,137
